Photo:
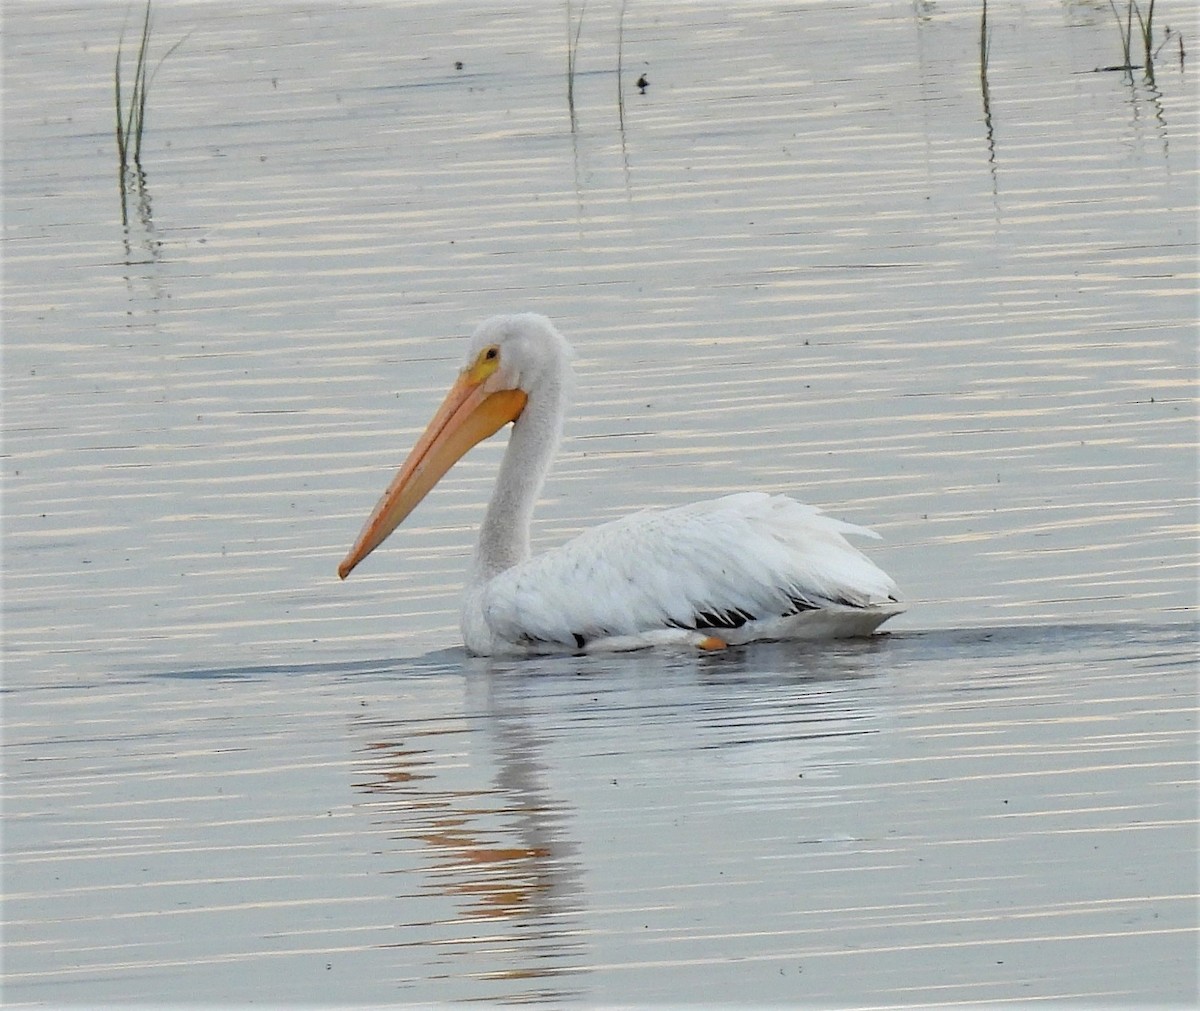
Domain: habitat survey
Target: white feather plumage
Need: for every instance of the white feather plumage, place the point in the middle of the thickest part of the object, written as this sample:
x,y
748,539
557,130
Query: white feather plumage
x,y
771,565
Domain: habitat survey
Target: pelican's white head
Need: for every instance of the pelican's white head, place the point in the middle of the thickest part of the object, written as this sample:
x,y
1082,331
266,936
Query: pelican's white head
x,y
529,353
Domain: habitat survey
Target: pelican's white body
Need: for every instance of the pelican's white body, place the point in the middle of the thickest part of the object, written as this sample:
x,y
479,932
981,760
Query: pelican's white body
x,y
642,580
765,566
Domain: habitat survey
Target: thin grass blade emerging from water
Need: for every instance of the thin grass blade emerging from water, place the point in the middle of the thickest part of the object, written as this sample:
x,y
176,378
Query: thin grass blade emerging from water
x,y
131,121
572,52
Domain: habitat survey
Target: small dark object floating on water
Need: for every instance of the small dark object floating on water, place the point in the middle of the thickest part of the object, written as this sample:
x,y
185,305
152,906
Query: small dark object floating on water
x,y
642,84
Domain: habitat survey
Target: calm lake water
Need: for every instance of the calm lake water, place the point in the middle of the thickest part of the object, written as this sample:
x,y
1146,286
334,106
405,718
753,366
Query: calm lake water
x,y
821,254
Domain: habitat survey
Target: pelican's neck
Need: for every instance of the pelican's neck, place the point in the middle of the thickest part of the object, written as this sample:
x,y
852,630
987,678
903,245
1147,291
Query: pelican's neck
x,y
504,535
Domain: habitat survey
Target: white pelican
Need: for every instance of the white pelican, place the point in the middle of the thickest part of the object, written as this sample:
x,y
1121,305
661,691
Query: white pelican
x,y
716,573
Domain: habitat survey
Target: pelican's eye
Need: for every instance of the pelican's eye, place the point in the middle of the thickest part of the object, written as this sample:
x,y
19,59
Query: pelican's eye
x,y
486,362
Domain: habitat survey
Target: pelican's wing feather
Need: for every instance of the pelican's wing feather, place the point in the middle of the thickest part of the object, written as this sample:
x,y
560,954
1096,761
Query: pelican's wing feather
x,y
711,564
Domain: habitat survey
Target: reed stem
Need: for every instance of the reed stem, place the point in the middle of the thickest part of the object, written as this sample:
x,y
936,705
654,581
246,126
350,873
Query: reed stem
x,y
572,52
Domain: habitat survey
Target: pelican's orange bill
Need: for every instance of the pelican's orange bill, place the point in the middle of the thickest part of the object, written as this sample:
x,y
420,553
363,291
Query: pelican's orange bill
x,y
468,415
